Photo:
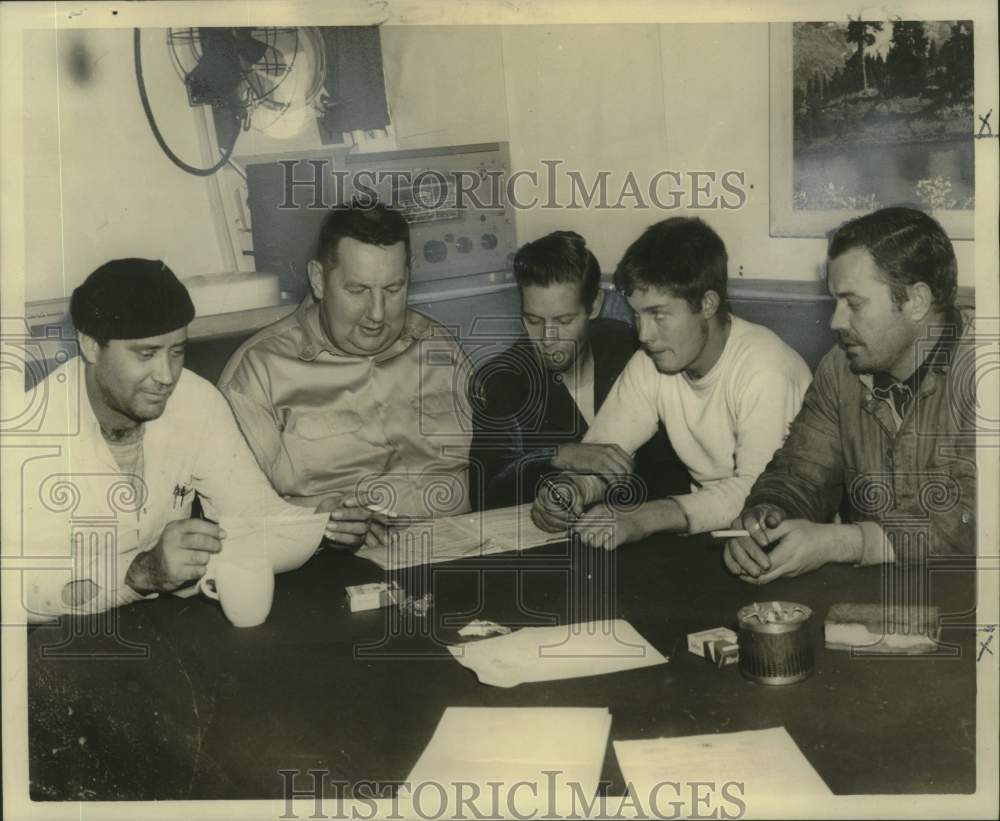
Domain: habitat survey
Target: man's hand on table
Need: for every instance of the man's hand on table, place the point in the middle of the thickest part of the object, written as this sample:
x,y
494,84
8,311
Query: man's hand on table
x,y
799,546
630,525
352,525
747,556
561,501
180,556
608,461
603,526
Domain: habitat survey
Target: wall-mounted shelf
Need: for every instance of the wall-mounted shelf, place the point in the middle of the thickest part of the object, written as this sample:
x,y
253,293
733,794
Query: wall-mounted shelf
x,y
54,313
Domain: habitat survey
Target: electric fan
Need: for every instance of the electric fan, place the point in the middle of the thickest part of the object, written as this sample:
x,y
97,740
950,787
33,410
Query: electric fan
x,y
269,78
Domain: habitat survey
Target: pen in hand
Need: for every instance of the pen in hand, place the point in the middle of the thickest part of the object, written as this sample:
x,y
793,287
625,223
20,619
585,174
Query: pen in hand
x,y
561,499
391,517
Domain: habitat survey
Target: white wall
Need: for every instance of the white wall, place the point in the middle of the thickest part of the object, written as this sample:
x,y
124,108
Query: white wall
x,y
685,97
444,84
619,98
97,186
591,96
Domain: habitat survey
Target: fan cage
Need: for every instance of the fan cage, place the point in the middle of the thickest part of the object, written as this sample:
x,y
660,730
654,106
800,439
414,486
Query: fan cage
x,y
282,48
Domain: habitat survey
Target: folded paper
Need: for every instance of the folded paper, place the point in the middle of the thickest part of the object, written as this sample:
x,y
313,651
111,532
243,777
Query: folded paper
x,y
552,653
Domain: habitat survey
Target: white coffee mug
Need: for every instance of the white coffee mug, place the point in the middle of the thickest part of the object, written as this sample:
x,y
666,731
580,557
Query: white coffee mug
x,y
244,585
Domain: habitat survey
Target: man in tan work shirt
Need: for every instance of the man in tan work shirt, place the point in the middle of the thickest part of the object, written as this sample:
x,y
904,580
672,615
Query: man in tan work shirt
x,y
356,402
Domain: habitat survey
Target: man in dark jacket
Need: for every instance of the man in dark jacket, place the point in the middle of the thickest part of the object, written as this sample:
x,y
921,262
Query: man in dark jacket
x,y
887,431
533,403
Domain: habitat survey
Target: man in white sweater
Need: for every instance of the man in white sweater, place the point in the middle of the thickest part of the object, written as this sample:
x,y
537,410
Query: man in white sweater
x,y
127,437
725,389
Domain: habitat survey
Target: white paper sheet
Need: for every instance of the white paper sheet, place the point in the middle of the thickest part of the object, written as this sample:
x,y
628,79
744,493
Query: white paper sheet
x,y
551,653
460,537
524,761
764,769
289,541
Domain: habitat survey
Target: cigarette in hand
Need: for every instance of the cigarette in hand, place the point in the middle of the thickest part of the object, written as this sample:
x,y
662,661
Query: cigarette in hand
x,y
729,534
381,511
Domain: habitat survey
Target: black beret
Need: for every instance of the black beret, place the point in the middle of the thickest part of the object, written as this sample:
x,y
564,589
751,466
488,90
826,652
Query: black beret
x,y
131,299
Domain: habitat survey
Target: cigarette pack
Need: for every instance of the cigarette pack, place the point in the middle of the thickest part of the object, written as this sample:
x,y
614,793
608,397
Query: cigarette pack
x,y
696,641
373,596
722,653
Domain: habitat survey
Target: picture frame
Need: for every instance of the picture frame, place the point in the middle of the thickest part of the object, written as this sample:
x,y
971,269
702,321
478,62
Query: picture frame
x,y
791,212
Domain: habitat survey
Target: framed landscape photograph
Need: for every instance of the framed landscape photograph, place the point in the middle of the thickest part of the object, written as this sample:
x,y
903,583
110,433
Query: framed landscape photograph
x,y
866,114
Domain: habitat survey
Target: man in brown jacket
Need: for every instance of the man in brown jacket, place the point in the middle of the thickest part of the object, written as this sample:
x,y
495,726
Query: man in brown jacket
x,y
886,433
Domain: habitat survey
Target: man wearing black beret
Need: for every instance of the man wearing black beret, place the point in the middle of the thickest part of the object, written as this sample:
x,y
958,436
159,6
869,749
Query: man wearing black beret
x,y
147,434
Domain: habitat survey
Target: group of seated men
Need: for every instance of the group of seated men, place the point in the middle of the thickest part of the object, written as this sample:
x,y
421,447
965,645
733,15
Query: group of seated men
x,y
358,406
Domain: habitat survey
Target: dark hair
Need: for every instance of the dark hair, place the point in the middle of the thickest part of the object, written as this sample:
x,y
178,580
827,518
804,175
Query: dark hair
x,y
681,255
372,224
908,247
561,256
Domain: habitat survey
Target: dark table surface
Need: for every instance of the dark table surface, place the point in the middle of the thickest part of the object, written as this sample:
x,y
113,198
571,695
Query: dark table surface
x,y
165,700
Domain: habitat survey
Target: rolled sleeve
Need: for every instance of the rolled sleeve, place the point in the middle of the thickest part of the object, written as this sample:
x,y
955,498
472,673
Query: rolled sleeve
x,y
122,593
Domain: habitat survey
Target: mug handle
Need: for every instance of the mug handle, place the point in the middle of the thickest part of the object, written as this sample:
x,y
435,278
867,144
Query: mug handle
x,y
203,587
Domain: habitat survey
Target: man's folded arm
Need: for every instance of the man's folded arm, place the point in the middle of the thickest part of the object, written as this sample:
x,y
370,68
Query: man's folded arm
x,y
764,406
512,476
805,476
939,521
500,464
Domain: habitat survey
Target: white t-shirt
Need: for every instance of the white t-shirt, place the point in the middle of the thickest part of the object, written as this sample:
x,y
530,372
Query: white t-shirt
x,y
725,426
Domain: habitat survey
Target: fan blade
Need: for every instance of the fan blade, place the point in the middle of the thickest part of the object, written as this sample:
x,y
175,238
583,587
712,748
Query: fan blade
x,y
218,73
250,49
